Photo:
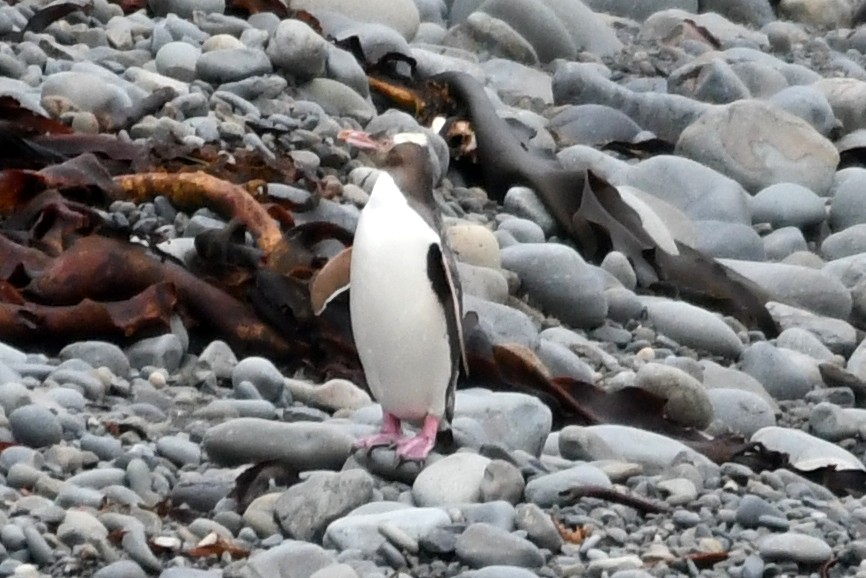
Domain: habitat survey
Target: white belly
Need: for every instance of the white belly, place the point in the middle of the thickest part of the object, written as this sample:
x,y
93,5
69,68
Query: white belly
x,y
397,319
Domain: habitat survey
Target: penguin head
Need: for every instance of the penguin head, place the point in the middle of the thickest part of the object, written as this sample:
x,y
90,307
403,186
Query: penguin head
x,y
407,156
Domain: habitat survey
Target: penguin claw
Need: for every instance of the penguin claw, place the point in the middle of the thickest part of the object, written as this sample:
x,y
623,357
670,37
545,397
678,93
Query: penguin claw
x,y
377,441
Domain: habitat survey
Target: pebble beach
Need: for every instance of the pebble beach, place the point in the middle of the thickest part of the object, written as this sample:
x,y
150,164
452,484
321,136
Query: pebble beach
x,y
749,122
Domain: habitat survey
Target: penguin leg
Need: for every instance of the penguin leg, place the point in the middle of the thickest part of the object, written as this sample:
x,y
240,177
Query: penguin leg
x,y
416,448
388,435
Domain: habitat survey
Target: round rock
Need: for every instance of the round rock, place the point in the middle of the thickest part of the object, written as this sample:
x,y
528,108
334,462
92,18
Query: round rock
x,y
787,204
794,547
559,280
35,426
687,400
759,144
483,545
297,49
454,479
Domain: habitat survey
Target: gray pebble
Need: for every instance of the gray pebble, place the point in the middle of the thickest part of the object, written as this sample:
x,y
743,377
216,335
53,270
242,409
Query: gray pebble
x,y
98,354
796,547
263,375
545,490
484,545
35,426
304,445
296,48
232,64
306,509
163,351
558,279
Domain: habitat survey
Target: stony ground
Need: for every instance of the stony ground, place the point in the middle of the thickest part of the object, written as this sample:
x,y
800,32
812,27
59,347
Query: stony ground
x,y
122,462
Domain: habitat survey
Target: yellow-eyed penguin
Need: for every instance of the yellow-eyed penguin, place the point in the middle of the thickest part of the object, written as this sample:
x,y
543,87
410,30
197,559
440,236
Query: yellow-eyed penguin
x,y
404,301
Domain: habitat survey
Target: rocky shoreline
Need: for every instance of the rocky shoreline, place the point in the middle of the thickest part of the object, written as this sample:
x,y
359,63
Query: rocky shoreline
x,y
735,127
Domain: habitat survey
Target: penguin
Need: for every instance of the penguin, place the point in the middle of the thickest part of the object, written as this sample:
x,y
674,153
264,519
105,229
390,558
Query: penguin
x,y
405,300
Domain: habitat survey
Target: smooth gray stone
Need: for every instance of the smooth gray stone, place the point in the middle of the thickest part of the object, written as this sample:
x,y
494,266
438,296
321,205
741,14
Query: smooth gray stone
x,y
666,115
13,395
134,543
687,401
97,354
663,24
513,79
178,60
164,351
739,412
640,10
833,423
455,479
105,447
502,481
654,451
562,361
483,282
484,545
804,341
91,93
755,13
232,64
480,33
537,23
784,373
805,451
98,478
337,99
792,546
122,569
202,492
692,326
341,66
837,335
523,202
185,8
845,96
808,103
297,49
545,490
781,243
305,510
618,265
306,446
787,204
589,31
80,526
84,379
780,146
708,80
845,243
699,191
798,286
359,530
849,198
502,324
264,376
179,450
516,420
723,239
35,426
539,527
556,277
401,16
499,571
499,513
751,508
181,572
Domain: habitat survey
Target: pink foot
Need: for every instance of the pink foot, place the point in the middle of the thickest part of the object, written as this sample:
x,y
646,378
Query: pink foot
x,y
417,448
390,434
